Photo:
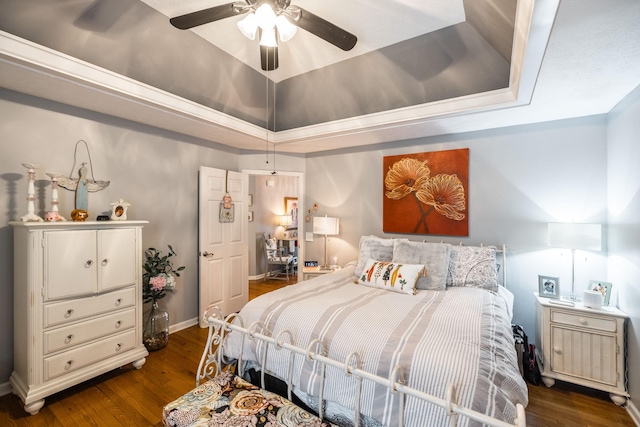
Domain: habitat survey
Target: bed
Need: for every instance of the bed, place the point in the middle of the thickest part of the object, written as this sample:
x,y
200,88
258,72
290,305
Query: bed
x,y
451,323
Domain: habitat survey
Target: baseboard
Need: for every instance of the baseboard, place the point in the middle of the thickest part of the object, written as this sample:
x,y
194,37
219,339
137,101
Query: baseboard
x,y
183,325
5,388
633,412
258,277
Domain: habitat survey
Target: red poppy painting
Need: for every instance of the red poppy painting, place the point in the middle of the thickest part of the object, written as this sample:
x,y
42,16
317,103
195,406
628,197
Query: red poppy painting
x,y
426,193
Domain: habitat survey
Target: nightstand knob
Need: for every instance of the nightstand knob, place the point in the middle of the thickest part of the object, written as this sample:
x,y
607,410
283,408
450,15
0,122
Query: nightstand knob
x,y
557,350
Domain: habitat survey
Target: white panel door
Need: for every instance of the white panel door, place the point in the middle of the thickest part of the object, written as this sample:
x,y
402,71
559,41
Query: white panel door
x,y
223,246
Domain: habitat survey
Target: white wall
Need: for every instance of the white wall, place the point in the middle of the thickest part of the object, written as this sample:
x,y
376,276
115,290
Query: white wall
x,y
520,179
156,171
624,222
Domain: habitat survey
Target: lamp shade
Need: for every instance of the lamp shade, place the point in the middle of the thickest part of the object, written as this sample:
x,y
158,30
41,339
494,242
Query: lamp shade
x,y
249,26
286,29
575,236
285,220
326,225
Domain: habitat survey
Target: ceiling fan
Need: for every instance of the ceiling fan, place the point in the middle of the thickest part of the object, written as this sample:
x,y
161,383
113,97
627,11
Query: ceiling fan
x,y
268,18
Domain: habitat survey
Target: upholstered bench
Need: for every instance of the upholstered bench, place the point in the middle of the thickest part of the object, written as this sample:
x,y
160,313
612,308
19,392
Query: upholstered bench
x,y
228,400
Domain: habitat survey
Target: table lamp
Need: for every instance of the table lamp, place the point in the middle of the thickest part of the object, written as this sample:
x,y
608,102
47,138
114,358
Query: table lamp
x,y
575,236
328,226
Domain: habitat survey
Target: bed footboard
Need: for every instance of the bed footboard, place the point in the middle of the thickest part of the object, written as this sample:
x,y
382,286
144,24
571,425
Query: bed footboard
x,y
213,361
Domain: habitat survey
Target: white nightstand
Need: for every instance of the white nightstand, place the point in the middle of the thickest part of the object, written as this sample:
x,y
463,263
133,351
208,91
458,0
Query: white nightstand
x,y
310,272
583,346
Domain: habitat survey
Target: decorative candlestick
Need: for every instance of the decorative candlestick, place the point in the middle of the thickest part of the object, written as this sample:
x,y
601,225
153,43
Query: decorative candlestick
x,y
54,213
31,193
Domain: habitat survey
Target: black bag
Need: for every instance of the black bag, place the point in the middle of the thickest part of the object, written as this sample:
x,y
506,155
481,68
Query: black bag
x,y
529,368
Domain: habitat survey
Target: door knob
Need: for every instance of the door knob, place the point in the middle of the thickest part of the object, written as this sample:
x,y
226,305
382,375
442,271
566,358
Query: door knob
x,y
207,254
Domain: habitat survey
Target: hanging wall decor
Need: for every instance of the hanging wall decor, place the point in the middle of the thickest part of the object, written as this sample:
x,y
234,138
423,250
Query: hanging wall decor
x,y
426,193
81,185
227,208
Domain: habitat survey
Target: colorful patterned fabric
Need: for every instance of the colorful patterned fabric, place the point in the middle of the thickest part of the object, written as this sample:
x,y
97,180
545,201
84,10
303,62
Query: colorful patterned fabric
x,y
230,401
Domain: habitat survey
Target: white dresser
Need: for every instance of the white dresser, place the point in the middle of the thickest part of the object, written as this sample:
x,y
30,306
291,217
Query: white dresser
x,y
583,346
77,304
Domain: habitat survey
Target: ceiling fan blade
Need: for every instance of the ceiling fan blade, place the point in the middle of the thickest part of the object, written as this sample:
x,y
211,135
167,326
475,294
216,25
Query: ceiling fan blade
x,y
326,30
194,19
269,57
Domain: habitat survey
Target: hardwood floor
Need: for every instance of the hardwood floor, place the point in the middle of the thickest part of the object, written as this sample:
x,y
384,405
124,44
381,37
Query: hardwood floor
x,y
130,397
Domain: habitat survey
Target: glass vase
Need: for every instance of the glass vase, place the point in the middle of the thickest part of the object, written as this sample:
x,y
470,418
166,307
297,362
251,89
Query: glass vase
x,y
156,328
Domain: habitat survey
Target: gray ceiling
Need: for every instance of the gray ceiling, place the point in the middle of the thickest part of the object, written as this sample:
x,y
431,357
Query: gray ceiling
x,y
455,61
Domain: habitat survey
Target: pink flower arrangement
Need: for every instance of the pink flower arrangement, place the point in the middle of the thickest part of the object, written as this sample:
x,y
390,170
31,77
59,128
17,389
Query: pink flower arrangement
x,y
157,283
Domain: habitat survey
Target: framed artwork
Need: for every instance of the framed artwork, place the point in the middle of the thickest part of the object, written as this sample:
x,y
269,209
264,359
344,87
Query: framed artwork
x,y
603,287
549,287
426,193
291,209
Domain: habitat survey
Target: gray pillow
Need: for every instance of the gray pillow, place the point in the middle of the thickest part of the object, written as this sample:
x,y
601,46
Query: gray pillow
x,y
434,256
372,247
473,266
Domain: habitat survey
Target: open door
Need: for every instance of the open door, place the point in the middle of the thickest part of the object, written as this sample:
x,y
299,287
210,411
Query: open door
x,y
223,244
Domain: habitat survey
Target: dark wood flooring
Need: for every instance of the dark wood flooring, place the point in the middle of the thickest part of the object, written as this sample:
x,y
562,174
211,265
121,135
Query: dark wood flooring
x,y
130,397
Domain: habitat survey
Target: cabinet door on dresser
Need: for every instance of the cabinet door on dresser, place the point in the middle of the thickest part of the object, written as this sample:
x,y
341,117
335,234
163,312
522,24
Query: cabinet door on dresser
x,y
116,256
69,263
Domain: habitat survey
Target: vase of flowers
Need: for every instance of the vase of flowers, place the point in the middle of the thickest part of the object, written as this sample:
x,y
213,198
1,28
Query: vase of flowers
x,y
158,278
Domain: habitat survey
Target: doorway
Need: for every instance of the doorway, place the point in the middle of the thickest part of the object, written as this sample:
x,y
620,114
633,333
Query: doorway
x,y
271,197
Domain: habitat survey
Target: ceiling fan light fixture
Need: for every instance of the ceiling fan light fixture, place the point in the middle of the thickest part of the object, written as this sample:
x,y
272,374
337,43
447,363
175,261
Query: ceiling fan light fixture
x,y
286,30
249,26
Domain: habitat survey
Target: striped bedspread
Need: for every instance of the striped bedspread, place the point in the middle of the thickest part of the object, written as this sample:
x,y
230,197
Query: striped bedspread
x,y
461,336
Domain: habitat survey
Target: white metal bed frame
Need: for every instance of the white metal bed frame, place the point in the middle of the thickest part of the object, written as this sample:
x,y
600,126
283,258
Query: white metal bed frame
x,y
212,363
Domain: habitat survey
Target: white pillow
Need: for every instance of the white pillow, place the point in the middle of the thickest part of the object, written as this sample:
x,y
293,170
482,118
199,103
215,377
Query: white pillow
x,y
473,266
391,276
434,256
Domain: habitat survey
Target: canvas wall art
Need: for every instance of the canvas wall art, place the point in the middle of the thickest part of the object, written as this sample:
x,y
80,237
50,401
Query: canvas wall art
x,y
426,193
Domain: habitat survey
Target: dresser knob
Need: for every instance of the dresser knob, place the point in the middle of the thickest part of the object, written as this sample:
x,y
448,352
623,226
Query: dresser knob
x,y
118,347
105,262
118,302
583,321
557,350
68,313
118,324
89,263
68,365
68,339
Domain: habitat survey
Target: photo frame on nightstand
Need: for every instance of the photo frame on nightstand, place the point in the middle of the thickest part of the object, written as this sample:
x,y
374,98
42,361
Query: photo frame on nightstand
x,y
549,287
603,287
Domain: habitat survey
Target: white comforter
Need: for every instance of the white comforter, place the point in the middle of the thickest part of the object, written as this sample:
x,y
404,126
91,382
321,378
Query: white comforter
x,y
461,336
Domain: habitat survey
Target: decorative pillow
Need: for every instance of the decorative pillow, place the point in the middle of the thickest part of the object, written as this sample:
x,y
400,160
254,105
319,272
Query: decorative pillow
x,y
473,266
434,256
372,247
391,276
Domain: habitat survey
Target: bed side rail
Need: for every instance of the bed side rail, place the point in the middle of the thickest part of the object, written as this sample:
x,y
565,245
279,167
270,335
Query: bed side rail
x,y
213,360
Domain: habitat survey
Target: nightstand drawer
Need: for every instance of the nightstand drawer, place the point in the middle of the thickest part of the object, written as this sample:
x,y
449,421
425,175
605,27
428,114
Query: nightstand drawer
x,y
597,323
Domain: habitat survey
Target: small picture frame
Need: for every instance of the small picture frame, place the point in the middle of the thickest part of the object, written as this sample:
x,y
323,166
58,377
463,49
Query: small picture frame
x,y
549,287
603,287
119,210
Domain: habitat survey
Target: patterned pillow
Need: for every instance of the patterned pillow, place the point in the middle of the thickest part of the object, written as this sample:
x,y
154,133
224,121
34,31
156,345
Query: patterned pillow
x,y
473,266
372,247
391,276
434,256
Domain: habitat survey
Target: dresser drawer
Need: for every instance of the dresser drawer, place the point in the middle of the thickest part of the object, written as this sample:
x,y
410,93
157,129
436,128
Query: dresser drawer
x,y
72,335
605,324
72,310
78,358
